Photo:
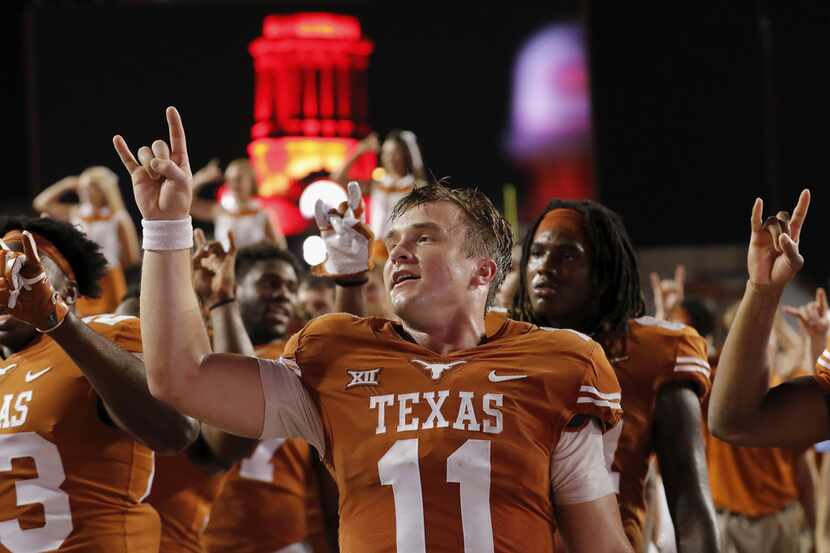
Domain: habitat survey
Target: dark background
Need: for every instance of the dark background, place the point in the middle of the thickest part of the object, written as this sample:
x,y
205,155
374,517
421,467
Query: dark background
x,y
693,116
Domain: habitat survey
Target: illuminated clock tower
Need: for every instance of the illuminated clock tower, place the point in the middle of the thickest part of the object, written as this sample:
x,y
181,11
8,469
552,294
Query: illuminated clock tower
x,y
310,106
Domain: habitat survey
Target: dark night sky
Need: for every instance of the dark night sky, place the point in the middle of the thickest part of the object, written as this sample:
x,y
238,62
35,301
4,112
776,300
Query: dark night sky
x,y
680,118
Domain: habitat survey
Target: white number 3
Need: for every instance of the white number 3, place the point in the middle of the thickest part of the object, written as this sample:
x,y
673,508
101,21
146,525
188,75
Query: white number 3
x,y
44,490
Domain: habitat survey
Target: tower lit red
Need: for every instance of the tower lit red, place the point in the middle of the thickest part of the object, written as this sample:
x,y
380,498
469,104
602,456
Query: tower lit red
x,y
310,106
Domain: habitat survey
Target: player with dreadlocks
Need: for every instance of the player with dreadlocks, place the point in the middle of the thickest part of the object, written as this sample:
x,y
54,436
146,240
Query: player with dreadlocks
x,y
78,423
579,270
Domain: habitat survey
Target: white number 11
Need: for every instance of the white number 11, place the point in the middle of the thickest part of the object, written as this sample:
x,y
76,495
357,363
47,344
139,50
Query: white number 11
x,y
468,466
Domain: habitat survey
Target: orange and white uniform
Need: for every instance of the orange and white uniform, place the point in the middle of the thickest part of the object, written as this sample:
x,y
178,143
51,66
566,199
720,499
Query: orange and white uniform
x,y
183,495
271,499
69,481
656,353
248,225
470,451
101,226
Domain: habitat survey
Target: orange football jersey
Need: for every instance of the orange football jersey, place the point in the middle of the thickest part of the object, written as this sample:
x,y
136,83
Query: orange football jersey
x,y
68,481
183,494
447,453
657,352
271,499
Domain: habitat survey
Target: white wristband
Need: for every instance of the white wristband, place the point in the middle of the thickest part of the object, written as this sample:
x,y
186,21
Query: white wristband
x,y
167,235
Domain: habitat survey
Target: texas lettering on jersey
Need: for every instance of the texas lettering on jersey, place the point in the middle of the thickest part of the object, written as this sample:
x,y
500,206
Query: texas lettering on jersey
x,y
69,481
436,455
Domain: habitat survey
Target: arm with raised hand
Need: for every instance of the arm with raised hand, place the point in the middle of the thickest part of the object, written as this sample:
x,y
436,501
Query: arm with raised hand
x,y
668,293
48,201
368,144
812,318
222,390
215,283
348,241
200,209
743,410
117,376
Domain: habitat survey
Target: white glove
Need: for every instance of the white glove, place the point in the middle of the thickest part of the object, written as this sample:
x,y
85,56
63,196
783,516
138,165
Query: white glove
x,y
346,236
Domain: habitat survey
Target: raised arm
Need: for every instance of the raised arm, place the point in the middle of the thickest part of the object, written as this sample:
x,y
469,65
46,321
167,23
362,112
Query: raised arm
x,y
668,293
222,390
743,410
682,458
48,201
120,381
368,144
215,284
200,209
117,375
814,323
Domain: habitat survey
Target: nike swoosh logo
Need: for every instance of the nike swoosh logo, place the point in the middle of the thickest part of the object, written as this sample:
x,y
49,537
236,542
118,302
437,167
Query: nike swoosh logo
x,y
30,376
7,369
505,377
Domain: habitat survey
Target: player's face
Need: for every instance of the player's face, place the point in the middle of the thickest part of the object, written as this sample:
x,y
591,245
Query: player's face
x,y
559,279
267,296
427,269
316,300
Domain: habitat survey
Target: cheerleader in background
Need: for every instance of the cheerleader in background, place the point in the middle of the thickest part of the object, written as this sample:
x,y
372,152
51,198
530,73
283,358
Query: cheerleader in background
x,y
101,215
403,170
239,211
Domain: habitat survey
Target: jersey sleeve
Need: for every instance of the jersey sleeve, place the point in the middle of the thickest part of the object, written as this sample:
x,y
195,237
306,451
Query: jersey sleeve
x,y
123,330
289,410
292,384
578,472
599,392
822,375
688,364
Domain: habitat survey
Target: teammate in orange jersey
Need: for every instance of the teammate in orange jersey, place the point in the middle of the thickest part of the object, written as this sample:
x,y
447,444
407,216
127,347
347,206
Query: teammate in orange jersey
x,y
578,270
186,485
744,410
440,437
76,411
271,500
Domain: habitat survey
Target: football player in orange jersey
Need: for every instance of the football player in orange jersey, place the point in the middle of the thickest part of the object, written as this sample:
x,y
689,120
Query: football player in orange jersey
x,y
578,270
76,411
186,485
440,437
271,500
744,410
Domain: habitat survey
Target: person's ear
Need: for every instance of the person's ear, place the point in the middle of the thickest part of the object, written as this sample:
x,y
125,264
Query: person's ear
x,y
486,272
70,293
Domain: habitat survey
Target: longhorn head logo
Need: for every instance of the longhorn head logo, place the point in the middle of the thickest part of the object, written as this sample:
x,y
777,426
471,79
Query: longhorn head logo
x,y
437,368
